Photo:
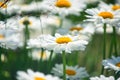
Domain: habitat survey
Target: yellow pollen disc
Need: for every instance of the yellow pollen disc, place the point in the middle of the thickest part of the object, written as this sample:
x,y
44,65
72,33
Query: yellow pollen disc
x,y
116,7
118,64
39,78
63,39
106,15
4,6
1,36
63,3
76,28
70,72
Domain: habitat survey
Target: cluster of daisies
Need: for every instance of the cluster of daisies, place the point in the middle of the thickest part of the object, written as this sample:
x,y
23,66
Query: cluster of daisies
x,y
49,35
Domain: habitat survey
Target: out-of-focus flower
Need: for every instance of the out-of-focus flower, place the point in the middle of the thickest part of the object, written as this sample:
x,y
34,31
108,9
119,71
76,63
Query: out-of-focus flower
x,y
109,6
72,72
102,16
65,43
113,63
10,8
38,42
11,41
31,75
37,54
65,7
102,77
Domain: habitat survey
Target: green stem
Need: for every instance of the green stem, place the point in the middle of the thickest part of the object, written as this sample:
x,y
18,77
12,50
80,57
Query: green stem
x,y
27,35
61,23
104,46
115,41
50,60
42,52
111,48
64,65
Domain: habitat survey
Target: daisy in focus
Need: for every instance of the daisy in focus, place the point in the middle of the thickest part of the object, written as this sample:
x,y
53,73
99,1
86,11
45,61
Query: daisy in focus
x,y
102,16
72,73
66,43
113,63
65,7
31,75
102,77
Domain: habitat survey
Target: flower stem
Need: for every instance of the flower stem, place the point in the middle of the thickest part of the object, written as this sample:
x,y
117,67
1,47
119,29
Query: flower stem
x,y
111,48
115,41
50,59
104,46
27,37
64,65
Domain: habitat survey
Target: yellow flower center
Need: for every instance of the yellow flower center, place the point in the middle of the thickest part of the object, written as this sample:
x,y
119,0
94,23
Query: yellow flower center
x,y
63,39
115,7
118,64
106,15
3,5
25,21
63,3
1,36
70,72
76,28
39,78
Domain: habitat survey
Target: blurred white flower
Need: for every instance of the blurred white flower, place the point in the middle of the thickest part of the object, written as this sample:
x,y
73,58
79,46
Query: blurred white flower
x,y
37,54
113,63
11,41
10,8
31,75
102,77
65,43
72,72
38,42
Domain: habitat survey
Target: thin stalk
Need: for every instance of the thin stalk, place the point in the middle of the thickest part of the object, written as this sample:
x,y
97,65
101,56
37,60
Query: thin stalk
x,y
104,46
115,41
64,65
111,48
27,35
50,60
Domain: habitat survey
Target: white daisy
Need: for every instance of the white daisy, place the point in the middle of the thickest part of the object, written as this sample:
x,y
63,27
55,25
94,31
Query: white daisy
x,y
65,7
65,43
38,42
106,6
102,16
72,73
37,54
102,77
113,63
10,7
12,41
31,75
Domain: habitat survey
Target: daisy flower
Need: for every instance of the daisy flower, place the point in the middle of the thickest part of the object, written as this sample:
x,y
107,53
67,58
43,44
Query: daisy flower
x,y
65,43
102,77
65,7
72,73
37,54
113,7
102,16
10,7
31,75
113,63
38,42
